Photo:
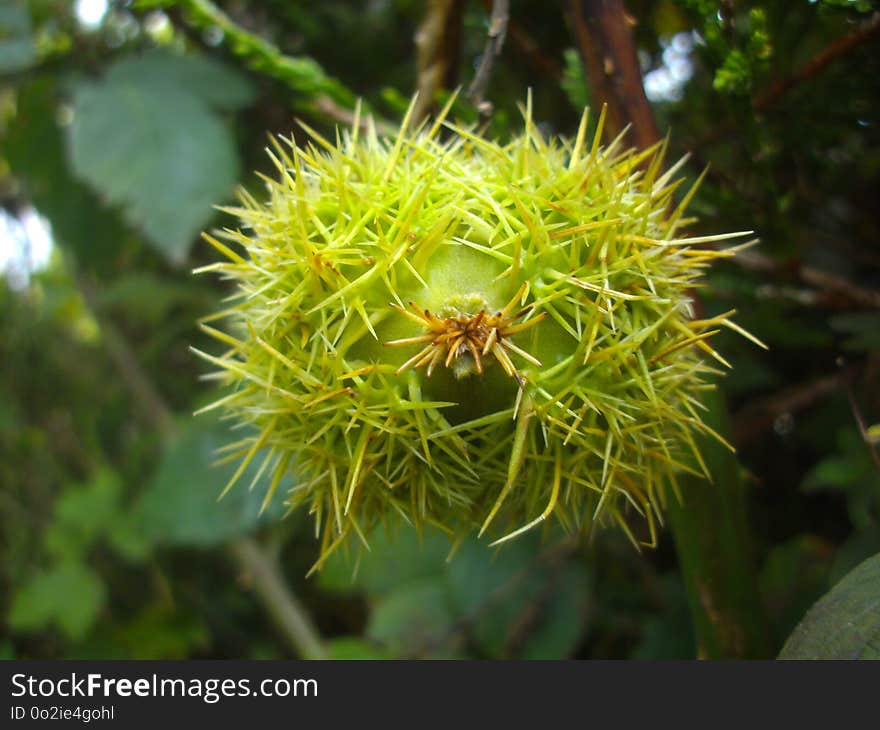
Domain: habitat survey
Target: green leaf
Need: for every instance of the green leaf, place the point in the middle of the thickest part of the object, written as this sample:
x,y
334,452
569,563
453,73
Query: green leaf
x,y
414,619
793,577
560,619
858,547
83,513
181,507
573,82
35,149
17,50
219,86
354,647
395,557
147,139
146,297
711,531
667,633
159,632
516,605
851,470
863,329
69,596
845,623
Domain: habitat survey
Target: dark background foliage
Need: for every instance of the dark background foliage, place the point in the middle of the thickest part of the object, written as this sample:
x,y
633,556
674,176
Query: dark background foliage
x,y
121,125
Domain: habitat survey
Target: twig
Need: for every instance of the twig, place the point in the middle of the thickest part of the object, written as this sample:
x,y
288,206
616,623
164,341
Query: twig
x,y
752,422
816,65
269,584
529,46
550,555
530,617
766,98
836,290
497,32
860,421
148,399
328,108
438,45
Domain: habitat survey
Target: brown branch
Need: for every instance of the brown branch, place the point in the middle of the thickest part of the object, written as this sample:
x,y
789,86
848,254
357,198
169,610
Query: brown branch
x,y
816,65
325,106
603,32
497,31
835,291
438,47
767,97
756,419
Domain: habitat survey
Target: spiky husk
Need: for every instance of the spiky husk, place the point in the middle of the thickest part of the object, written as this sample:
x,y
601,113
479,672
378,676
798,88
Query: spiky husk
x,y
364,248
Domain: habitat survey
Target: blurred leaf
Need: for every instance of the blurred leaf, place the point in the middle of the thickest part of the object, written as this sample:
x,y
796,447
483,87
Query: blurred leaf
x,y
146,138
711,532
148,297
863,329
354,647
793,577
34,147
87,513
491,589
573,82
845,623
508,601
516,604
851,470
219,86
17,50
558,622
395,557
413,616
83,513
126,536
668,633
180,505
69,596
857,548
160,632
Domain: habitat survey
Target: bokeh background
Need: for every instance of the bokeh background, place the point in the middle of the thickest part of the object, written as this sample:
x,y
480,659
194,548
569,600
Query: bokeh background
x,y
122,123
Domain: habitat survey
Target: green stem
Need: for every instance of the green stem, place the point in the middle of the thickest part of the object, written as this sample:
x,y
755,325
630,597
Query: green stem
x,y
301,74
711,534
287,612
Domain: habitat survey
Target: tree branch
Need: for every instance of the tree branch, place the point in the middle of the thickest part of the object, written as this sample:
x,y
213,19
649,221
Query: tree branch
x,y
754,421
438,46
835,290
765,99
602,30
816,65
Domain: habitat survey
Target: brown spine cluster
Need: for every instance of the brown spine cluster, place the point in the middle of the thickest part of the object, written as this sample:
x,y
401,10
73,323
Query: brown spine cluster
x,y
463,335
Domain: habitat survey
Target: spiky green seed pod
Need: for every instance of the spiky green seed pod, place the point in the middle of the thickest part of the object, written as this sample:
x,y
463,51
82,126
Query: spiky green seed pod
x,y
443,329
